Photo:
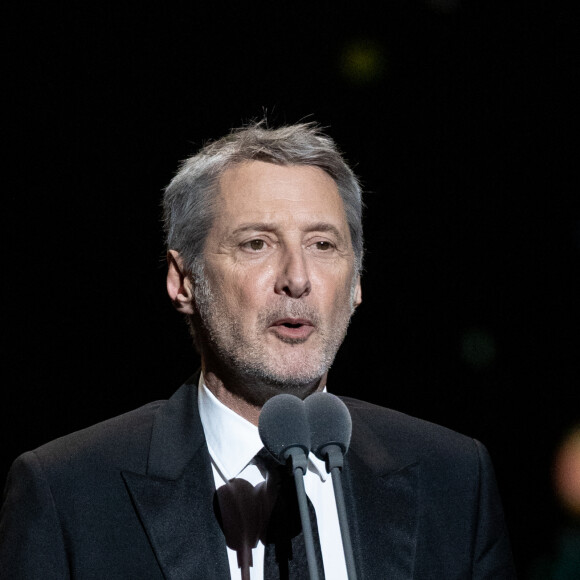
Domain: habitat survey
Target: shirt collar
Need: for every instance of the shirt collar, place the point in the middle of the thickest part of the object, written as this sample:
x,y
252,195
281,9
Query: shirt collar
x,y
233,441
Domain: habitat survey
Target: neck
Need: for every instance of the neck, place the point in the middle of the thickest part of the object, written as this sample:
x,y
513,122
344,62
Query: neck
x,y
230,399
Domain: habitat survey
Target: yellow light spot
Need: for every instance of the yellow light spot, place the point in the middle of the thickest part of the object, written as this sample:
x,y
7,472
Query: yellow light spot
x,y
363,61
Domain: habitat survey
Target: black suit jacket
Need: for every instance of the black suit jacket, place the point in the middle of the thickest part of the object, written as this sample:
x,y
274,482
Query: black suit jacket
x,y
132,498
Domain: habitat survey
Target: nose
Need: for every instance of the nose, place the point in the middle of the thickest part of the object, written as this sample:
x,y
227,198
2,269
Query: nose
x,y
293,279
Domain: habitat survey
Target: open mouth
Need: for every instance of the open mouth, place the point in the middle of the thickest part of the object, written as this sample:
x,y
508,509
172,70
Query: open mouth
x,y
292,322
293,328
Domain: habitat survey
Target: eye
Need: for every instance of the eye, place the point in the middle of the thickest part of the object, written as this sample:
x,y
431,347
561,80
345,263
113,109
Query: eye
x,y
255,245
324,246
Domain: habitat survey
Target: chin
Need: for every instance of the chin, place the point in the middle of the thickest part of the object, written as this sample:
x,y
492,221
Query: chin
x,y
298,370
265,383
290,381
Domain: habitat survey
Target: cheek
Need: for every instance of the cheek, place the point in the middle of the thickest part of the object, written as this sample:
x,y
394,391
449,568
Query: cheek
x,y
248,289
340,300
336,285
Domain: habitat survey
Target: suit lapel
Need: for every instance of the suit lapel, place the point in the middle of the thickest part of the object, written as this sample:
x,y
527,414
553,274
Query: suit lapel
x,y
174,498
382,505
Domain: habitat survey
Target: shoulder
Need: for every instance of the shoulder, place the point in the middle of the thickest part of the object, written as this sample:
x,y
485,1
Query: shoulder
x,y
378,431
395,424
120,442
445,478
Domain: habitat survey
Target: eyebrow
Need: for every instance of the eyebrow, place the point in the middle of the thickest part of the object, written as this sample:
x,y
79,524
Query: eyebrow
x,y
254,226
270,227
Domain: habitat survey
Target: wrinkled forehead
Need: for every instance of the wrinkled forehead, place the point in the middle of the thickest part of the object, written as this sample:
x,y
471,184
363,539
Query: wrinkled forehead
x,y
258,187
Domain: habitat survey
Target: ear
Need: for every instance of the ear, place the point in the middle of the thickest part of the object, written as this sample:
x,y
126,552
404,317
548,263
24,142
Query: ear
x,y
179,285
357,294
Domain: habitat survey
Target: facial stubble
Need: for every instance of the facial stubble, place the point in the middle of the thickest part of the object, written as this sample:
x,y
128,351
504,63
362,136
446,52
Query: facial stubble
x,y
246,365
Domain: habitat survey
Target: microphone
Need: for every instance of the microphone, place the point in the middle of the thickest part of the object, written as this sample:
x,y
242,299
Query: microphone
x,y
330,432
285,432
330,428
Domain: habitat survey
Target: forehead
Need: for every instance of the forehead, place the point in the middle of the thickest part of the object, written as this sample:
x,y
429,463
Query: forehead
x,y
266,191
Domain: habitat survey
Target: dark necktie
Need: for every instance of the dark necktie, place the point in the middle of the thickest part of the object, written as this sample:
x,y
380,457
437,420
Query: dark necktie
x,y
285,550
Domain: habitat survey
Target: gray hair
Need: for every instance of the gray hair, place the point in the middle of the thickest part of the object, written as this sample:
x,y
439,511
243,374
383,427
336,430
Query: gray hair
x,y
189,199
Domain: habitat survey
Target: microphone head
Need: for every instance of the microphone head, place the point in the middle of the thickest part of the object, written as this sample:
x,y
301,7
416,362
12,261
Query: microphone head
x,y
284,424
330,422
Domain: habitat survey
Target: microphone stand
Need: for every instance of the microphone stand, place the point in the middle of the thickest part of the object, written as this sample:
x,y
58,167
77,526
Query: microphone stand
x,y
298,461
334,459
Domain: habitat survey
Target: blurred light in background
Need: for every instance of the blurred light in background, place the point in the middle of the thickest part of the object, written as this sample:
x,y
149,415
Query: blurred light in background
x,y
561,561
478,348
363,61
567,472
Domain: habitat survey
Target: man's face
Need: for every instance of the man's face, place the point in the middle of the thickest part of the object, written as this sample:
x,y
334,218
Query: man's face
x,y
280,285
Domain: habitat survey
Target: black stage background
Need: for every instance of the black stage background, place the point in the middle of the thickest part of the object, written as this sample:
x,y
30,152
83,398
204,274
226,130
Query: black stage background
x,y
459,116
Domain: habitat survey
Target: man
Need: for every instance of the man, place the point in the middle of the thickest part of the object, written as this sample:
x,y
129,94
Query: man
x,y
265,252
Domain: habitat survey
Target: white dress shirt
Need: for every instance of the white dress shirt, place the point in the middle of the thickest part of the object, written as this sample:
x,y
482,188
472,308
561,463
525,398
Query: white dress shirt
x,y
233,443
